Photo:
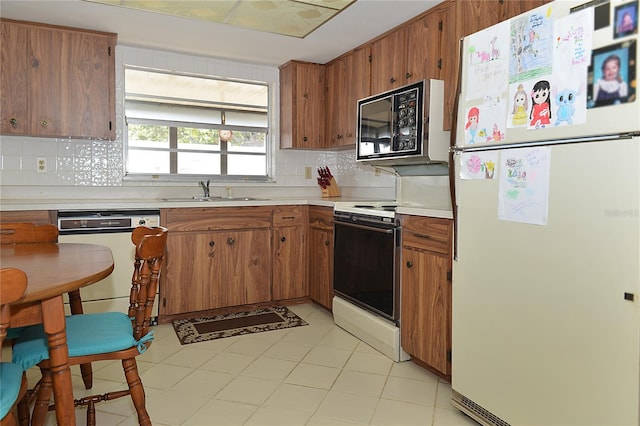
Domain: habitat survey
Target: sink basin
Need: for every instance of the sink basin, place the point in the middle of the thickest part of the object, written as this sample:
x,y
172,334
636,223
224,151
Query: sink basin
x,y
196,198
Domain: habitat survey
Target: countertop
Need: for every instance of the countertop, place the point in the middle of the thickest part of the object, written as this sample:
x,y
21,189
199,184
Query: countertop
x,y
105,204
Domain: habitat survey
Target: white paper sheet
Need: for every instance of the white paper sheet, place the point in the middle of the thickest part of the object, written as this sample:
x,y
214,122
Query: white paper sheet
x,y
524,185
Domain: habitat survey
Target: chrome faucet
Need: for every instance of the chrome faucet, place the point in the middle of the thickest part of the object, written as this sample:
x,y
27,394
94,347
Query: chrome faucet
x,y
205,188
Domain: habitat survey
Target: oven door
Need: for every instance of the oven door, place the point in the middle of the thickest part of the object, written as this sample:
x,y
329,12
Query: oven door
x,y
365,261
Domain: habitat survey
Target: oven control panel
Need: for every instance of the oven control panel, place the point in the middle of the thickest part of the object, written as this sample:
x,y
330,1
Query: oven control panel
x,y
82,221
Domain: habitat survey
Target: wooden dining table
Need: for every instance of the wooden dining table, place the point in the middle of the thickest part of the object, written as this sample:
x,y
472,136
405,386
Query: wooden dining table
x,y
54,269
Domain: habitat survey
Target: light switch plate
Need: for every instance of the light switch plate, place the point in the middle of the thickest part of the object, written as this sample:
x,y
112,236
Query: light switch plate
x,y
307,172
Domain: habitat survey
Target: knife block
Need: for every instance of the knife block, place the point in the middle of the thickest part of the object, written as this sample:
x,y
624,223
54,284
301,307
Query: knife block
x,y
332,190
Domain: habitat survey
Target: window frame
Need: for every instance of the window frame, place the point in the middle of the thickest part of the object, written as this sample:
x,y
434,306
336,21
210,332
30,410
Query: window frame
x,y
223,152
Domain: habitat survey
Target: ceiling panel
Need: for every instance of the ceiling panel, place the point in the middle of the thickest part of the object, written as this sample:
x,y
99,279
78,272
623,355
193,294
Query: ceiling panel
x,y
294,18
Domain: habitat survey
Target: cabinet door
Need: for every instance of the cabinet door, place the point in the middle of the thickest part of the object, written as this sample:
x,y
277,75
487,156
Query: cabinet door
x,y
289,260
13,78
423,48
357,71
46,92
335,99
426,308
348,80
321,266
71,83
246,267
302,105
388,61
193,273
311,104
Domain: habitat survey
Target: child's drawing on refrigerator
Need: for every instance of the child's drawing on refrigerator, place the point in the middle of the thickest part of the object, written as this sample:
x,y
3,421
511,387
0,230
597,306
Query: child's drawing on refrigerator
x,y
540,114
531,45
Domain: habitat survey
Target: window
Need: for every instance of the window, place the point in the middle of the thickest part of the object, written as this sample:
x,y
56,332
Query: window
x,y
185,125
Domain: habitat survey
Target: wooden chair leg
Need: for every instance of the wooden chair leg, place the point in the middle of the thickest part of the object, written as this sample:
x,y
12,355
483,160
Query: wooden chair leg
x,y
91,414
137,390
87,375
23,412
43,398
75,305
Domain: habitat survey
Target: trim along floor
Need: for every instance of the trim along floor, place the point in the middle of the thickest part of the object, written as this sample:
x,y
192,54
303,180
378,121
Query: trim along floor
x,y
315,375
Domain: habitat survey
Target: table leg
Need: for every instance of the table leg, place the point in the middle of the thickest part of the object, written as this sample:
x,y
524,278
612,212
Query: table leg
x,y
54,327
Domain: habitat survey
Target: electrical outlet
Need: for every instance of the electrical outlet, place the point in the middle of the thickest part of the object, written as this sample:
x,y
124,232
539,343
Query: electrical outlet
x,y
307,172
377,172
41,165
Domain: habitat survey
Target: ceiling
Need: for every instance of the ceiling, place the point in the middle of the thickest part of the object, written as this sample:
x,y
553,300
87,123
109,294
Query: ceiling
x,y
296,18
356,24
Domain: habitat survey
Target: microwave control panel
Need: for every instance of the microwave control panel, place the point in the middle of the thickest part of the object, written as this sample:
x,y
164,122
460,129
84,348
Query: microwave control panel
x,y
406,131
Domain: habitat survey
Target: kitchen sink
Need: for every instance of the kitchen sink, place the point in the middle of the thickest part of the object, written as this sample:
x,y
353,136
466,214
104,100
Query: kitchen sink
x,y
212,199
196,198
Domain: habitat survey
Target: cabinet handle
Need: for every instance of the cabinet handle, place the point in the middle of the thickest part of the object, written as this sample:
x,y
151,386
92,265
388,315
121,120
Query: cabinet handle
x,y
44,123
212,243
409,264
339,136
13,122
407,75
212,252
392,80
283,239
230,241
425,236
306,96
305,139
326,242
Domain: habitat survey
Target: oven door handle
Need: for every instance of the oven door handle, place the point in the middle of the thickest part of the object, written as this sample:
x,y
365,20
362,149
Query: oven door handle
x,y
366,228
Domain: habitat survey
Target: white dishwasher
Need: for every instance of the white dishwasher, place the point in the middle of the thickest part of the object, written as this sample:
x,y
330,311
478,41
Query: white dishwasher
x,y
111,228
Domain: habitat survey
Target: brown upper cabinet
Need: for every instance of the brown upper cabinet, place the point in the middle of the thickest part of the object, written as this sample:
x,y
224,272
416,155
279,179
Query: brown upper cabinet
x,y
347,81
408,54
302,105
57,81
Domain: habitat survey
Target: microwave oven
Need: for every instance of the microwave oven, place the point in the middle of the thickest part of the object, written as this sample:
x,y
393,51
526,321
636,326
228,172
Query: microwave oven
x,y
403,126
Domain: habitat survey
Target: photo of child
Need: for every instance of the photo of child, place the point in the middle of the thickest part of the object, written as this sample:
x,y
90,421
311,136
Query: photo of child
x,y
610,87
626,20
611,75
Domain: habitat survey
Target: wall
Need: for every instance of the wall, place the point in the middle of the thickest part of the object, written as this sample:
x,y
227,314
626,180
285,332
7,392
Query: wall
x,y
95,168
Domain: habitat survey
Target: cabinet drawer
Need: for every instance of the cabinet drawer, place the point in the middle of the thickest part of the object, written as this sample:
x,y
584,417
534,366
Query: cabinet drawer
x,y
289,216
215,218
321,217
427,233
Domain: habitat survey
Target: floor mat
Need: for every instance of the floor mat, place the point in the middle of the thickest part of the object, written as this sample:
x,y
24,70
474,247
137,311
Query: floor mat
x,y
217,327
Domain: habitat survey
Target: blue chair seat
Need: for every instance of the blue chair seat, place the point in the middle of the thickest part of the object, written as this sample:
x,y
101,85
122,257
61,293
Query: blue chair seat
x,y
87,334
10,381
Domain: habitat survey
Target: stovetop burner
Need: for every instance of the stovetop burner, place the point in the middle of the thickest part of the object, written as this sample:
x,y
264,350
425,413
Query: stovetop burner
x,y
373,208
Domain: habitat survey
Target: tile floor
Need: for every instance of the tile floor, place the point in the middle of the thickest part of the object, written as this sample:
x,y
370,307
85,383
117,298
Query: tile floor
x,y
314,375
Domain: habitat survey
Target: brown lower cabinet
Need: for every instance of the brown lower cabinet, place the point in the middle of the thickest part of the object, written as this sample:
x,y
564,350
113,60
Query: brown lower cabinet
x,y
216,257
290,278
39,217
321,255
425,318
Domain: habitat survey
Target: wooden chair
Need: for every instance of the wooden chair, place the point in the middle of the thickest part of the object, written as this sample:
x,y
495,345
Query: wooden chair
x,y
105,336
13,381
26,233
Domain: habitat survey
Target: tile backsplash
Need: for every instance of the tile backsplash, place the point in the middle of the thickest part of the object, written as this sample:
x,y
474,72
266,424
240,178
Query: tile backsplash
x,y
98,164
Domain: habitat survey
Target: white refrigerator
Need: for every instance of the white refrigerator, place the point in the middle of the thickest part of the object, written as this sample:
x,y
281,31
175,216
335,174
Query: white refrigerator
x,y
546,274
